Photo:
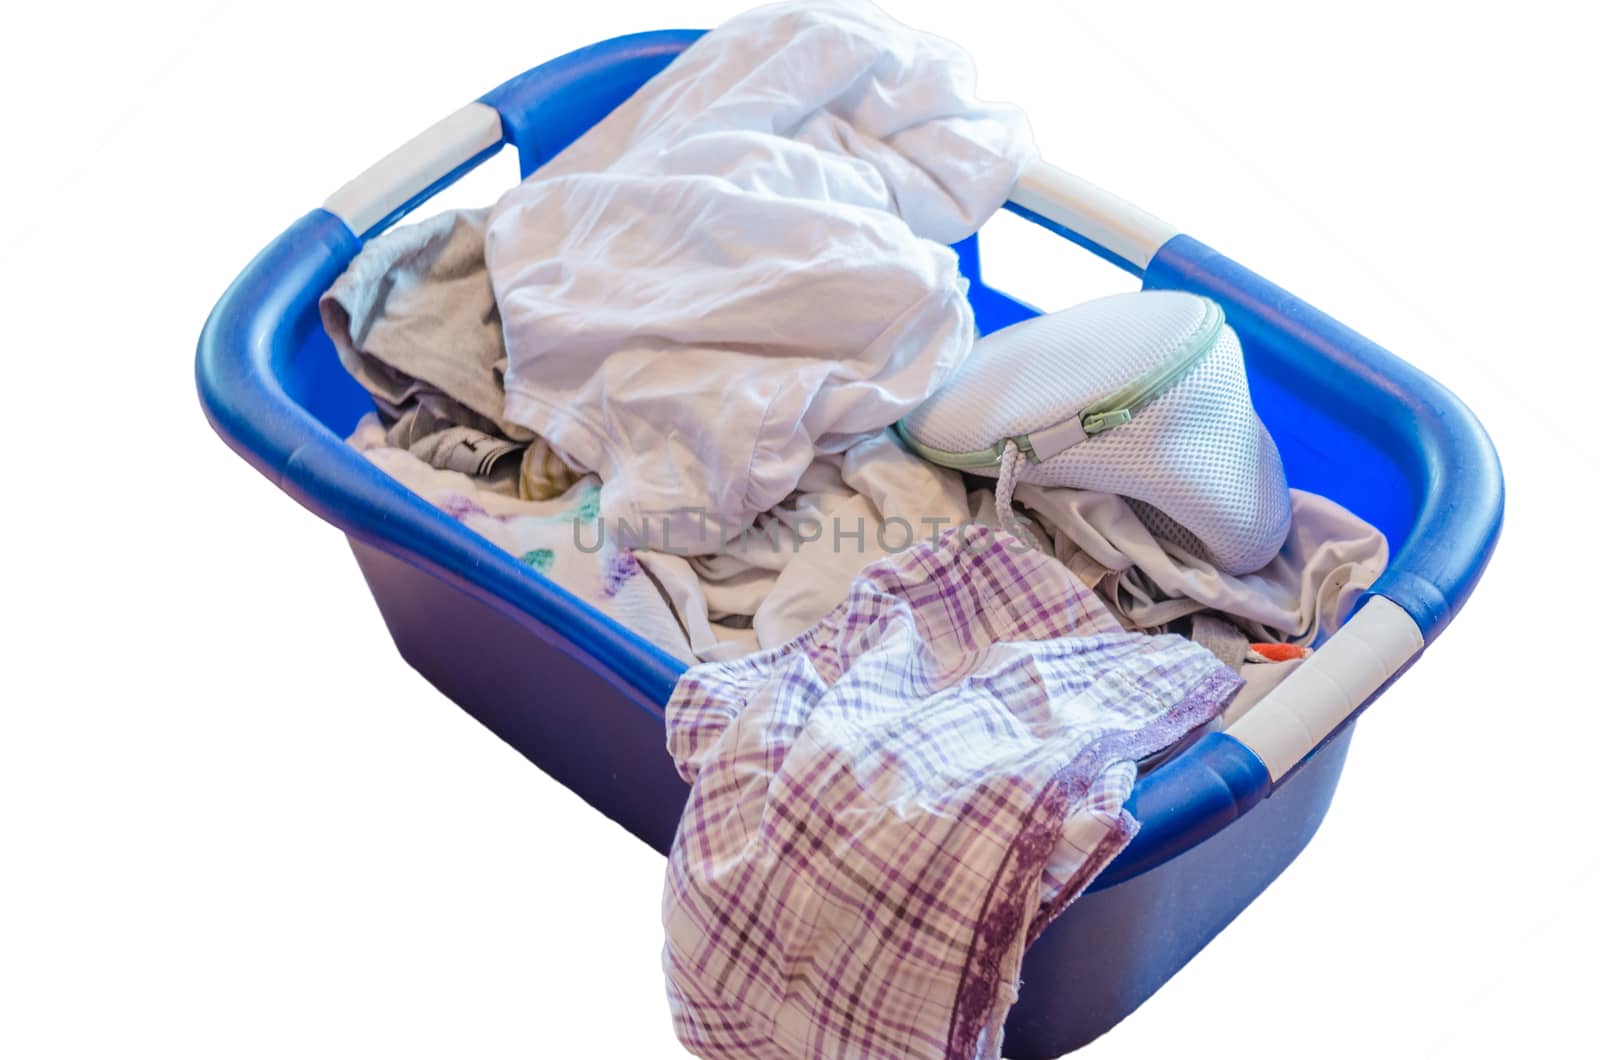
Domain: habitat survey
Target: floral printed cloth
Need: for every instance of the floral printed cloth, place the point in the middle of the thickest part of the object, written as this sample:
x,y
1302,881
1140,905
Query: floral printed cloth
x,y
559,537
888,809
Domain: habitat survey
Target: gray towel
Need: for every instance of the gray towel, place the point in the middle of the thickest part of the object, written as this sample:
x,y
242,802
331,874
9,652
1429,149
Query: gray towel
x,y
414,320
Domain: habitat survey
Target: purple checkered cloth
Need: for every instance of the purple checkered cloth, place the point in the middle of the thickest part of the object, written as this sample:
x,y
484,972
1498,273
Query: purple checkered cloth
x,y
887,810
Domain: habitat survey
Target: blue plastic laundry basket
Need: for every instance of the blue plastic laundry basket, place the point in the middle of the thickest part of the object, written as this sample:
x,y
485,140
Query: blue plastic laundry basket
x,y
582,697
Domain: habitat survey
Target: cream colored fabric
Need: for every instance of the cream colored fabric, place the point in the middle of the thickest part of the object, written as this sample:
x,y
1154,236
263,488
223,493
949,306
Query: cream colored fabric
x,y
1329,557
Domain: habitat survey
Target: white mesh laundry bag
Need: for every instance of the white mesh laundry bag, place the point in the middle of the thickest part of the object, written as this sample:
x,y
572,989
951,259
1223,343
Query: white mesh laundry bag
x,y
1140,394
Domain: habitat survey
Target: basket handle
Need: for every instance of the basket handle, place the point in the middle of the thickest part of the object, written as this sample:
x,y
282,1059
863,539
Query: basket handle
x,y
428,162
1089,216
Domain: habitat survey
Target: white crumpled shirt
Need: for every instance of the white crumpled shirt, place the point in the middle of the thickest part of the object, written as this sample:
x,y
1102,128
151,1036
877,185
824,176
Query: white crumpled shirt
x,y
744,265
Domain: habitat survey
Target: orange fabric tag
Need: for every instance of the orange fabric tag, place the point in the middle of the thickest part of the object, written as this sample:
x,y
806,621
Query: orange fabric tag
x,y
1279,652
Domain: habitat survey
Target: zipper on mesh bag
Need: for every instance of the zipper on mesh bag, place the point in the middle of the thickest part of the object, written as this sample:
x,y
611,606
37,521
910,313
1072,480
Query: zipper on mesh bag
x,y
1104,414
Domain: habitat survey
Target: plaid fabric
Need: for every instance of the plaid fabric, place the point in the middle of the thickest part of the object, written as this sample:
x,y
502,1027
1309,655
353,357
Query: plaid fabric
x,y
888,809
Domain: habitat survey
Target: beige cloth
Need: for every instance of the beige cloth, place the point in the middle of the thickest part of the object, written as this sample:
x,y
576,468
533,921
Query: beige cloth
x,y
1330,557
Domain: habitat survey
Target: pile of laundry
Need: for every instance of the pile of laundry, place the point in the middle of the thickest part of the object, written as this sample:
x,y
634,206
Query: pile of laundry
x,y
699,371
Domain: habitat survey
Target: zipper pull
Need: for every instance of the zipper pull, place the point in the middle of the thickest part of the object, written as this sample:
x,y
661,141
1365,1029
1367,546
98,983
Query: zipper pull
x,y
1095,422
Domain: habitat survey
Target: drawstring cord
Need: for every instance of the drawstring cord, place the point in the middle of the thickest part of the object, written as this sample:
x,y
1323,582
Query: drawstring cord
x,y
1010,457
1005,485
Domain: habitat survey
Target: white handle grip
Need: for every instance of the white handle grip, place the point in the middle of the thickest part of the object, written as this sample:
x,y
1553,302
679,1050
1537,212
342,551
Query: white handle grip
x,y
1294,718
1100,217
414,166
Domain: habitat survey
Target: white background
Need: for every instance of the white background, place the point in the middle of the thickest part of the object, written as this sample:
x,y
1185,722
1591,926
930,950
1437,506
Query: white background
x,y
233,823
